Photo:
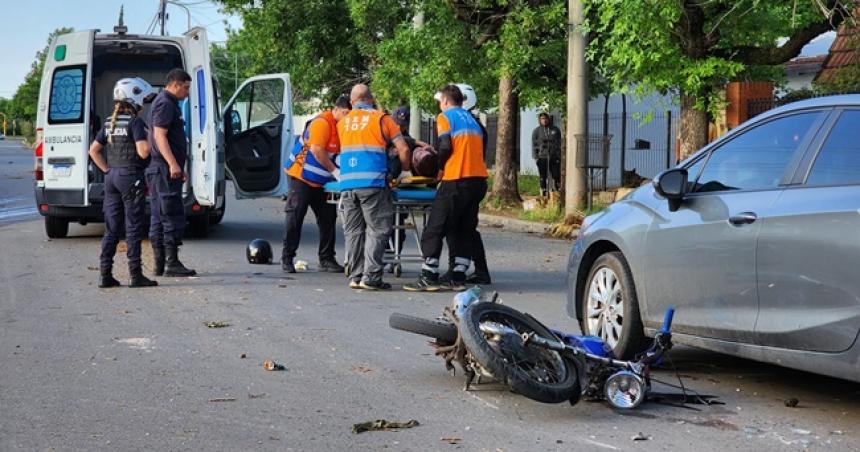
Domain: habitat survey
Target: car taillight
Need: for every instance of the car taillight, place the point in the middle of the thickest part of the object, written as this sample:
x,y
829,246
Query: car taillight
x,y
38,173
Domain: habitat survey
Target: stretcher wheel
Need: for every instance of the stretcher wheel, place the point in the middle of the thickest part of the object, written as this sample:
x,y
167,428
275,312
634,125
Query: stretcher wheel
x,y
398,270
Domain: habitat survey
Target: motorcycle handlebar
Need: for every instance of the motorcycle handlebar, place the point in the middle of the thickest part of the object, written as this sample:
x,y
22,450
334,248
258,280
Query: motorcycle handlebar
x,y
667,320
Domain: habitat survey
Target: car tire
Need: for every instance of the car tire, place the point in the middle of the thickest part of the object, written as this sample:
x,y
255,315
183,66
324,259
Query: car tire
x,y
56,228
218,215
622,328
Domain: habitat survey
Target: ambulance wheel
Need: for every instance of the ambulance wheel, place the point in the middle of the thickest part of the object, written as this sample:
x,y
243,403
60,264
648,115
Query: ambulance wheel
x,y
56,228
198,227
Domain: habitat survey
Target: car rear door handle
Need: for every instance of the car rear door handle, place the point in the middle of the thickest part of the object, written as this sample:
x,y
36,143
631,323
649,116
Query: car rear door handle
x,y
743,218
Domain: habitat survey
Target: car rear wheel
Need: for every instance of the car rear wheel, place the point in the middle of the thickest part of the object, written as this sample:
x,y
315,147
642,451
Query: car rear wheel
x,y
610,308
56,228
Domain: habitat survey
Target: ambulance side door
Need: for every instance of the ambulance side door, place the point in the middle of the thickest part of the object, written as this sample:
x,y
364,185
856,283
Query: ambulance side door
x,y
258,132
203,128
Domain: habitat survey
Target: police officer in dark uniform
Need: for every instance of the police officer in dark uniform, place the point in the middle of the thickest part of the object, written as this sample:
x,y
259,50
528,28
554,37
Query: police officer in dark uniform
x,y
124,137
165,175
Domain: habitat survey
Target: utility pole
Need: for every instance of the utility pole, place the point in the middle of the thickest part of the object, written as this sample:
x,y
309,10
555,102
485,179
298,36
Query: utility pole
x,y
577,109
414,110
161,14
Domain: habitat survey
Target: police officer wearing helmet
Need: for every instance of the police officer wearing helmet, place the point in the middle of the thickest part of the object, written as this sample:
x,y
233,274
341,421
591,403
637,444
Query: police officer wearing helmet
x,y
311,168
124,138
165,175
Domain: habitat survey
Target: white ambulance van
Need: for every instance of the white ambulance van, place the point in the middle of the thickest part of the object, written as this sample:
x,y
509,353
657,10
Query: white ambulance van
x,y
75,99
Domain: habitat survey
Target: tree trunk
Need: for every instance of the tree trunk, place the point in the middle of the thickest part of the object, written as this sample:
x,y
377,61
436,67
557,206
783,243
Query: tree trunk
x,y
505,178
694,126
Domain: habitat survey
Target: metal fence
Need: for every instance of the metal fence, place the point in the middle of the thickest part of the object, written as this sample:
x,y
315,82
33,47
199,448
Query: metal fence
x,y
642,146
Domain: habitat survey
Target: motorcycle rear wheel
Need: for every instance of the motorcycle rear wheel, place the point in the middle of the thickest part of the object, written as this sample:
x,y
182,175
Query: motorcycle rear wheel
x,y
444,332
537,373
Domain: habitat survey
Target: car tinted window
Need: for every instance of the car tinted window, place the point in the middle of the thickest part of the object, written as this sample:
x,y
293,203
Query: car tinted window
x,y
839,159
756,159
67,95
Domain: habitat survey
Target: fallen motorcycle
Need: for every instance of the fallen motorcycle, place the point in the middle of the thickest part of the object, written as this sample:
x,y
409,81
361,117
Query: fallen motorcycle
x,y
490,340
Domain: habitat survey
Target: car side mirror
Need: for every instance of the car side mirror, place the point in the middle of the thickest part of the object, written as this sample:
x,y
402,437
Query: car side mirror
x,y
235,122
672,185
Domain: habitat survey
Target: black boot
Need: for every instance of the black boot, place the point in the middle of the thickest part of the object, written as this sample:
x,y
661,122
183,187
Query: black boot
x,y
172,265
158,256
106,279
138,280
330,266
287,265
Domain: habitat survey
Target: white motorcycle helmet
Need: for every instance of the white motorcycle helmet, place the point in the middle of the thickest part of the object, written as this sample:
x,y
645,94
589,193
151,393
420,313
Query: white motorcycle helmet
x,y
135,91
470,99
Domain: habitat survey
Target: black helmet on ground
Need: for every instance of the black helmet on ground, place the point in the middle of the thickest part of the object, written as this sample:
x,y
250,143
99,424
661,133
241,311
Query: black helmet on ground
x,y
259,252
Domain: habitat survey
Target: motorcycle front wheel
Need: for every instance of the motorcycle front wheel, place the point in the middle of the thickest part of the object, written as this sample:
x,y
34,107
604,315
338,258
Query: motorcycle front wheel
x,y
493,334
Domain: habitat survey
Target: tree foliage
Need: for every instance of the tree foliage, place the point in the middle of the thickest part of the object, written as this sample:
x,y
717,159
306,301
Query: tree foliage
x,y
24,103
693,47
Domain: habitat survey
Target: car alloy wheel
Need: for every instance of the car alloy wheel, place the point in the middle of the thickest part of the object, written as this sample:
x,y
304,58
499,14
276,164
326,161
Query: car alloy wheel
x,y
605,306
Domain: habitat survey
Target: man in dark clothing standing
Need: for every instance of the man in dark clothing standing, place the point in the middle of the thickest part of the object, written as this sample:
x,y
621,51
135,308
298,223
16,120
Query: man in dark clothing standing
x,y
165,175
546,150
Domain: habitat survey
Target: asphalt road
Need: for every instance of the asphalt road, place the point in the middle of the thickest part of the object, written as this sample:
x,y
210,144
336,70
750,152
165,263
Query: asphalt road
x,y
16,182
123,369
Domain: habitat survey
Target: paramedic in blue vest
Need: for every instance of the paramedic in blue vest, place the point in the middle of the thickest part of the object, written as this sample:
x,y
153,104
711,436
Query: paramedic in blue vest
x,y
366,206
124,139
312,168
454,212
165,175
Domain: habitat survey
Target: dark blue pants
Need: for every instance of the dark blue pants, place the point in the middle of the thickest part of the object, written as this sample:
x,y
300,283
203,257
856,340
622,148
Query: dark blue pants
x,y
123,204
167,222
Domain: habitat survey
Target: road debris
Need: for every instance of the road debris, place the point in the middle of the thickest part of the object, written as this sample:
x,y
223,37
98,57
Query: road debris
x,y
301,265
272,366
640,437
791,403
451,439
361,368
92,268
382,424
223,399
217,324
243,356
257,396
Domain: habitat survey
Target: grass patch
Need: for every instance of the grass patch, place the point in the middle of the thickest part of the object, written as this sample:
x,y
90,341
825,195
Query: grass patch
x,y
543,214
527,184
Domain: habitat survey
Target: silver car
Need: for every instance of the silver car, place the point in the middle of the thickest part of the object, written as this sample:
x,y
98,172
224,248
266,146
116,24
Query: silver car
x,y
755,240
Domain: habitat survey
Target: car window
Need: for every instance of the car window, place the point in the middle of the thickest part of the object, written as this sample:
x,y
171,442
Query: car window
x,y
757,158
839,159
67,95
268,101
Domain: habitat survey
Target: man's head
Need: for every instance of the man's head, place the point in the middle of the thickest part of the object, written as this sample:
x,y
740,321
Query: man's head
x,y
401,118
341,107
449,97
544,119
361,94
178,83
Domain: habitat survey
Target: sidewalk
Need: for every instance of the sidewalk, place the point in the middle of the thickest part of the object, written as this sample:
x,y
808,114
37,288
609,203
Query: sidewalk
x,y
515,225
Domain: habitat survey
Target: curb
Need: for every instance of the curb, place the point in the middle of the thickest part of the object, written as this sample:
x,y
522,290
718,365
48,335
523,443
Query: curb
x,y
512,224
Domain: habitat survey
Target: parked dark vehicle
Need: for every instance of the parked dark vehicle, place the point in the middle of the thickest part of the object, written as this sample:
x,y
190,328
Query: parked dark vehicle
x,y
755,240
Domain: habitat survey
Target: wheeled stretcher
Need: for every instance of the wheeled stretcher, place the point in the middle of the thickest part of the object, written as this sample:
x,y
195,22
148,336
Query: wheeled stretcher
x,y
409,203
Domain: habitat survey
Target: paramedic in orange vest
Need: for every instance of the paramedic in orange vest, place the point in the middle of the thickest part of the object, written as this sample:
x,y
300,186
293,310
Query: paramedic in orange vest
x,y
309,171
454,212
366,206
